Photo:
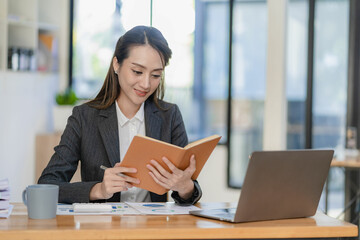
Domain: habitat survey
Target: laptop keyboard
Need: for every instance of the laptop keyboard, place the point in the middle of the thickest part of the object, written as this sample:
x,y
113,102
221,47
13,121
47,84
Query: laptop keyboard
x,y
226,215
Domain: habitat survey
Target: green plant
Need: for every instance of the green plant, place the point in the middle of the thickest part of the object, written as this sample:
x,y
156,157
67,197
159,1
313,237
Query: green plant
x,y
68,97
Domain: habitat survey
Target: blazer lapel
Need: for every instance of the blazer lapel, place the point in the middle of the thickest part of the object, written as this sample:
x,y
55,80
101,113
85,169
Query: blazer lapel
x,y
153,122
108,127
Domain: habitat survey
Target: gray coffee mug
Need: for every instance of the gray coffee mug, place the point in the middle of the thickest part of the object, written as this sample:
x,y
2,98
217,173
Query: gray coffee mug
x,y
41,200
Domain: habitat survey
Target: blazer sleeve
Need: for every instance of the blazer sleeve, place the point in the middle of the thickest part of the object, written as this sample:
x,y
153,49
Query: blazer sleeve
x,y
179,138
64,162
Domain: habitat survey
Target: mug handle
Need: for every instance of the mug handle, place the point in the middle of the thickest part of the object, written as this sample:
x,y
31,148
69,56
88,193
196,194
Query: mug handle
x,y
24,197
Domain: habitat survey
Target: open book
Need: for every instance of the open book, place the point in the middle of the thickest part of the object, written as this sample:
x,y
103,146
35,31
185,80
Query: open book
x,y
143,149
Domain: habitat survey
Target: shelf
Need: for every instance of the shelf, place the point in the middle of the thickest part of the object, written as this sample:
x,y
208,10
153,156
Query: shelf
x,y
47,27
29,25
15,74
21,23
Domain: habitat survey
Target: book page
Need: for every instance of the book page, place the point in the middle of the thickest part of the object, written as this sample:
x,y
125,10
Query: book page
x,y
202,151
158,141
200,141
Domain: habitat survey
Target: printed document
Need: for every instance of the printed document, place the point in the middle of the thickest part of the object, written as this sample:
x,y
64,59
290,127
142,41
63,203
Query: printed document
x,y
128,208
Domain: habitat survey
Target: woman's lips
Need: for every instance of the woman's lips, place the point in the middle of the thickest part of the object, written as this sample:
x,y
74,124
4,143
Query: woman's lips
x,y
140,93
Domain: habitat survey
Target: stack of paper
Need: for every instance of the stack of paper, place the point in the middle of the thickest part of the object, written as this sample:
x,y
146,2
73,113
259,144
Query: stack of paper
x,y
5,207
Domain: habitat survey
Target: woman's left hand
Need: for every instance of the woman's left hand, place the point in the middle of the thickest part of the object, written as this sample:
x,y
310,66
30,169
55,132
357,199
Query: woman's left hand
x,y
176,180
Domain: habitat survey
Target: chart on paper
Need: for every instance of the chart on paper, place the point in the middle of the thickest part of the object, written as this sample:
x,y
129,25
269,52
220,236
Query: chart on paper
x,y
129,208
168,208
117,209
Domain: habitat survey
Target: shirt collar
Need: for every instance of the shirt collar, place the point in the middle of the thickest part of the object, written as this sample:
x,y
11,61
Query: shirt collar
x,y
123,119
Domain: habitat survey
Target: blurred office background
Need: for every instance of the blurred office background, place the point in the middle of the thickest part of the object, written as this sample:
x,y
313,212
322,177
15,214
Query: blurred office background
x,y
262,74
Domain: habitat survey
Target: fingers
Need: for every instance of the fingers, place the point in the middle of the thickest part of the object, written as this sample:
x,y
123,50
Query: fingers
x,y
155,171
160,168
116,186
108,189
158,181
112,184
171,166
117,169
117,174
176,179
192,166
115,181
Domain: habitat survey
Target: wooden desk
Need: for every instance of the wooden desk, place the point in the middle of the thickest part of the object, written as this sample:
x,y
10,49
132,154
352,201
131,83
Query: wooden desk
x,y
353,163
18,226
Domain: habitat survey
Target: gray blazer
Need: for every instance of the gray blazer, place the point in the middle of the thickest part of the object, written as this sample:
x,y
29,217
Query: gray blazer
x,y
91,136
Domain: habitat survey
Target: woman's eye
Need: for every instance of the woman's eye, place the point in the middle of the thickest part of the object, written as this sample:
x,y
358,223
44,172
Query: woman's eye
x,y
156,76
137,72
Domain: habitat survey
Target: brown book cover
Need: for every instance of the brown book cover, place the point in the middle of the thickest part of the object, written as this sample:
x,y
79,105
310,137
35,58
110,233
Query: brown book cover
x,y
143,149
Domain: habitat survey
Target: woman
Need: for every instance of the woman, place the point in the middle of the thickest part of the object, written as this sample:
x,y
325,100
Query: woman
x,y
99,132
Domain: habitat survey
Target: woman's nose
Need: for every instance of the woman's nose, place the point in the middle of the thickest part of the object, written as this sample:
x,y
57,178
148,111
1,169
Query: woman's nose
x,y
145,82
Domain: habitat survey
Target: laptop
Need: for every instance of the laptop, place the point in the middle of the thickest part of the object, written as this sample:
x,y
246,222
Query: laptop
x,y
278,185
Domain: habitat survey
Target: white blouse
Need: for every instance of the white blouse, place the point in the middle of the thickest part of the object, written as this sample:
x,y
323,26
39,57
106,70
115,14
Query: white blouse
x,y
128,128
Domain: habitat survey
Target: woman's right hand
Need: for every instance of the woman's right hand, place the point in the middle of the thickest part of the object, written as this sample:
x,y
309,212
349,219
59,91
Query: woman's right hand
x,y
114,181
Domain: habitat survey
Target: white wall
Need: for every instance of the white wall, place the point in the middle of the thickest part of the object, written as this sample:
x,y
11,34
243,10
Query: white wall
x,y
26,109
26,101
213,179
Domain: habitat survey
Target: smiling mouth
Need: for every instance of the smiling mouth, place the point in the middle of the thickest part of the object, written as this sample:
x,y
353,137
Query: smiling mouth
x,y
140,93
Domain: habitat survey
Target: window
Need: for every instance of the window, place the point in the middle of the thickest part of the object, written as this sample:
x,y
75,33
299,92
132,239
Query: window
x,y
248,85
211,49
168,17
329,83
330,86
330,73
296,72
95,34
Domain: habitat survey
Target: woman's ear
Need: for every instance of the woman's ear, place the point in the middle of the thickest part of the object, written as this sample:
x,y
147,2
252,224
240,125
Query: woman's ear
x,y
115,65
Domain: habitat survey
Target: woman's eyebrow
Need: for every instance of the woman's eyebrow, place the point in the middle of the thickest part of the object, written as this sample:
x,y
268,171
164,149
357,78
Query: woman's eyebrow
x,y
139,65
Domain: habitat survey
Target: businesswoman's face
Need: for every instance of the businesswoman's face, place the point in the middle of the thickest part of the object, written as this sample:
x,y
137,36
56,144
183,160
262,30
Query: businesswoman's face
x,y
139,75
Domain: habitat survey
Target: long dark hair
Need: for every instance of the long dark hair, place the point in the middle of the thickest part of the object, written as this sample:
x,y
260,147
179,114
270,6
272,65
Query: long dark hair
x,y
139,35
